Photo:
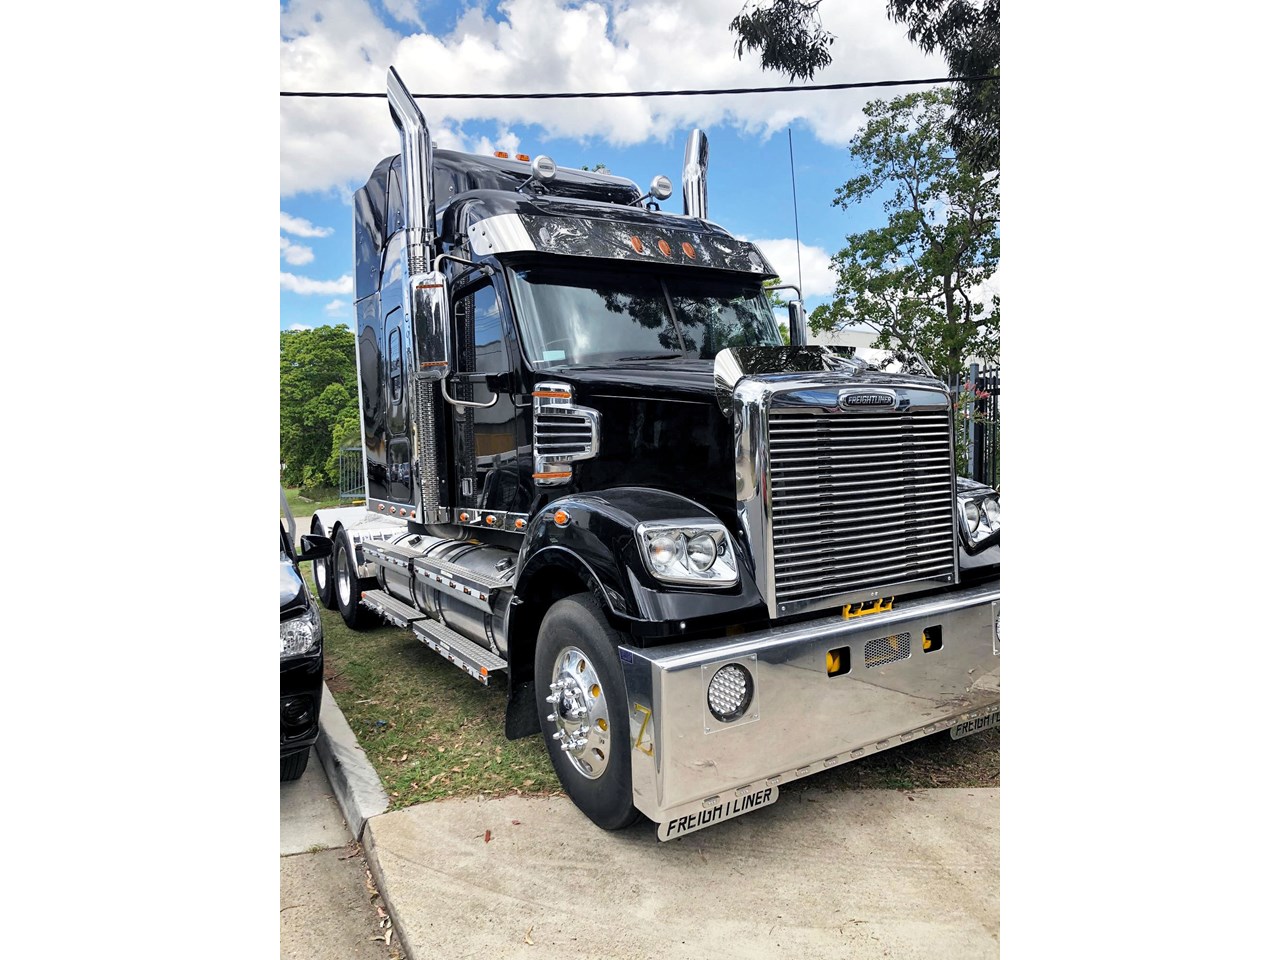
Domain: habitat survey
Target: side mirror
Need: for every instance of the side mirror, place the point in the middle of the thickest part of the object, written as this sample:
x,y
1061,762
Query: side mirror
x,y
315,547
430,298
797,326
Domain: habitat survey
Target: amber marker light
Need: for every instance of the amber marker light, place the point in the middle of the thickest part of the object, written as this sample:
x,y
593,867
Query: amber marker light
x,y
491,519
665,248
502,154
464,517
688,250
519,524
523,157
636,245
561,518
561,394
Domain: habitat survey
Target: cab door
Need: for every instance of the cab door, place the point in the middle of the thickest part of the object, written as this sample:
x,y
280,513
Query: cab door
x,y
485,427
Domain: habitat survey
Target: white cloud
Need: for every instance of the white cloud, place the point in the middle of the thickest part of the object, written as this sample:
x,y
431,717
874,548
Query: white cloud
x,y
295,253
555,45
335,308
302,228
406,11
300,326
306,285
815,265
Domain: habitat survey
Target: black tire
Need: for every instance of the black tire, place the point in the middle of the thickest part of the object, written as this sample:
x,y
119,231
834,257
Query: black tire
x,y
322,576
292,766
346,584
577,622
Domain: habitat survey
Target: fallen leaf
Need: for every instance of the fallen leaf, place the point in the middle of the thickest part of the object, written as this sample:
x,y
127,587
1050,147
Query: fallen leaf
x,y
387,939
526,936
515,823
488,835
382,914
912,799
439,749
404,757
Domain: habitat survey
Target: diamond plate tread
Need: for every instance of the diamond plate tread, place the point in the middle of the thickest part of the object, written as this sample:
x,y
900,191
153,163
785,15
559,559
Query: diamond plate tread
x,y
390,608
458,650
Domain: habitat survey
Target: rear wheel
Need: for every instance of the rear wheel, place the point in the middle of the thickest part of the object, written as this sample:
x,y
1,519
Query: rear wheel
x,y
346,584
322,573
578,676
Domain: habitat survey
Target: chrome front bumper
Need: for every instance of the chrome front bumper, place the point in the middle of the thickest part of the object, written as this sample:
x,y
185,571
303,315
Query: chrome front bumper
x,y
802,719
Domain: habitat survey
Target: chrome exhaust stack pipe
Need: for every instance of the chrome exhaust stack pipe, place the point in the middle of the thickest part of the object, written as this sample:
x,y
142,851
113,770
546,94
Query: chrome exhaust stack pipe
x,y
695,175
416,158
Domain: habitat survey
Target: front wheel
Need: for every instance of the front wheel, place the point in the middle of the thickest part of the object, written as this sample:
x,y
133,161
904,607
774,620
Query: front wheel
x,y
576,671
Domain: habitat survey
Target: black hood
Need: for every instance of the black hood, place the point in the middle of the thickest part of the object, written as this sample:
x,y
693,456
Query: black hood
x,y
660,427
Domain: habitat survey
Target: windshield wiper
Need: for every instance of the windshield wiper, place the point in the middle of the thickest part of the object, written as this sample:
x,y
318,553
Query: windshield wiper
x,y
656,356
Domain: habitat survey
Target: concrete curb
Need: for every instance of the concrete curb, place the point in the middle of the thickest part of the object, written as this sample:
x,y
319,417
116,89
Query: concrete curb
x,y
355,783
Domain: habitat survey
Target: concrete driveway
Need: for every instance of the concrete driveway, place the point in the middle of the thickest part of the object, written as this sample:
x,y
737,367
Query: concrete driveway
x,y
819,874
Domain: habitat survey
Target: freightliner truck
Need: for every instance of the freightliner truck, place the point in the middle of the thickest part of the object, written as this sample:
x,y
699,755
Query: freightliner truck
x,y
702,563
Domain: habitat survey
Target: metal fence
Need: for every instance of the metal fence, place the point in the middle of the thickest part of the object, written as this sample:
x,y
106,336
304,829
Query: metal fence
x,y
350,474
984,448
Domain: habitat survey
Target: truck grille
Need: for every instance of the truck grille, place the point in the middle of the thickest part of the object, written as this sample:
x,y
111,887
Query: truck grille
x,y
858,501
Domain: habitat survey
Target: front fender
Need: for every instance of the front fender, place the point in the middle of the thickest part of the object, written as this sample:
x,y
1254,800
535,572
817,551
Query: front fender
x,y
599,542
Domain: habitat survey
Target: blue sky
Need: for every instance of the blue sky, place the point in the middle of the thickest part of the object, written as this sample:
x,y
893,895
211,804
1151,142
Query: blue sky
x,y
328,147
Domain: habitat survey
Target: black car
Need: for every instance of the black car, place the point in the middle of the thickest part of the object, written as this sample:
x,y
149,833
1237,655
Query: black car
x,y
301,655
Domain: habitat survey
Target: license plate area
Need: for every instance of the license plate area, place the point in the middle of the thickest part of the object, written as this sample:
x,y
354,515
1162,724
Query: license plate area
x,y
733,806
976,725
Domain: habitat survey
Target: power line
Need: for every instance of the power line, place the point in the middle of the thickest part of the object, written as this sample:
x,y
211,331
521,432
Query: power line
x,y
601,95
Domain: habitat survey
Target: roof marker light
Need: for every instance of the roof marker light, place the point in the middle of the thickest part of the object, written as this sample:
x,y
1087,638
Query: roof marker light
x,y
502,154
688,250
636,245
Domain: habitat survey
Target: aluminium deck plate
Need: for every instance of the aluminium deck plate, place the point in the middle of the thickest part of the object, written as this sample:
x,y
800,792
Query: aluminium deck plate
x,y
397,612
458,650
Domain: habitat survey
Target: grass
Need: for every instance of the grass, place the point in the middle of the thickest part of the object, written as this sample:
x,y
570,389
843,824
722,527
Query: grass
x,y
302,508
432,732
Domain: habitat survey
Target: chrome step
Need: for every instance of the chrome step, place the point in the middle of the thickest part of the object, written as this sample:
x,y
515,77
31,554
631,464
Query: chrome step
x,y
390,609
458,650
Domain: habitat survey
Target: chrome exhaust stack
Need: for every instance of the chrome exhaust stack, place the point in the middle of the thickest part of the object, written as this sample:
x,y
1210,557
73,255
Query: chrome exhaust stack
x,y
424,293
695,175
419,187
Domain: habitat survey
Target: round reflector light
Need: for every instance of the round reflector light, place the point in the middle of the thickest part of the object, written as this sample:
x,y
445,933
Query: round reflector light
x,y
729,693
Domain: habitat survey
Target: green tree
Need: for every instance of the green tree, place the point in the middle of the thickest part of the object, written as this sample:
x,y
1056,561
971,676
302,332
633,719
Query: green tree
x,y
790,38
916,279
788,34
317,392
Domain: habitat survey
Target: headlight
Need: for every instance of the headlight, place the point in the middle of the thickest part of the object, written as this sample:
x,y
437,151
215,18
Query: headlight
x,y
695,552
991,512
981,517
301,634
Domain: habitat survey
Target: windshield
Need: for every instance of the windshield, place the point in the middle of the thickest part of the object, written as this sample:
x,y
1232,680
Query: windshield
x,y
603,316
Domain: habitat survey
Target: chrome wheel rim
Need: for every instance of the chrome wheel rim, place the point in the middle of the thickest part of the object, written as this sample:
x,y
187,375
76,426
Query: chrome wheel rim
x,y
344,579
321,570
579,712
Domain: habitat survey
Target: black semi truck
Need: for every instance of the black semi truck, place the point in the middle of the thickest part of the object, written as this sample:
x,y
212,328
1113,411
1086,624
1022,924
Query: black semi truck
x,y
703,563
